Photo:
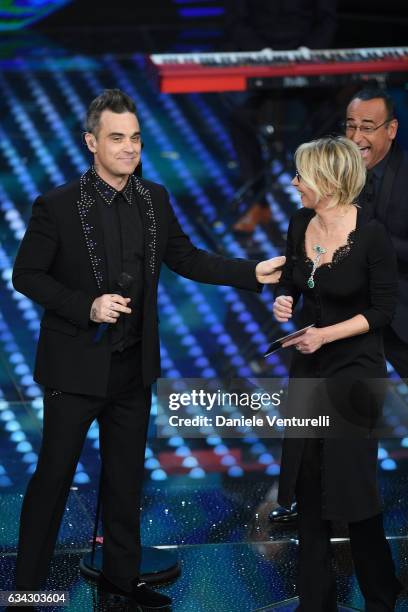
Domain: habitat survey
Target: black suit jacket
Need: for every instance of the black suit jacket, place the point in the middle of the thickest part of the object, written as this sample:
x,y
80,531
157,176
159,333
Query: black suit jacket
x,y
61,266
391,209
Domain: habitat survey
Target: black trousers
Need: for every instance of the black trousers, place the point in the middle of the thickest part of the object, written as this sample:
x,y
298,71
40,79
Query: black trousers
x,y
396,352
371,553
123,420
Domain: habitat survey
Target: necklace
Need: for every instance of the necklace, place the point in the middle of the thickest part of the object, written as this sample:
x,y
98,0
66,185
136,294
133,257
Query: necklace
x,y
319,250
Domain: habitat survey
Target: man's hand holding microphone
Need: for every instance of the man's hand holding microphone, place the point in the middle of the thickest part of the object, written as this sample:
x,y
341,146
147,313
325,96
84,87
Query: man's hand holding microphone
x,y
108,307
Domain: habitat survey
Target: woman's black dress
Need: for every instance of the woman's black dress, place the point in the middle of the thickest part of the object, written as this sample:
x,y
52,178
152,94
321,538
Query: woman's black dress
x,y
362,279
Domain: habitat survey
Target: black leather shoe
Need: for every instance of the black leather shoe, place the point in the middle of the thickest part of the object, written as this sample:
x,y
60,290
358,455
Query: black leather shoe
x,y
147,598
283,515
140,594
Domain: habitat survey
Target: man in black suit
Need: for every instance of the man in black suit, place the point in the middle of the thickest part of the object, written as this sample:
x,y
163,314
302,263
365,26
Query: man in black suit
x,y
98,351
372,125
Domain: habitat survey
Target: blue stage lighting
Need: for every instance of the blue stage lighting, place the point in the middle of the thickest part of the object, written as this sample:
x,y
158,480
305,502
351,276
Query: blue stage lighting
x,y
228,460
221,449
30,457
81,478
235,471
197,472
273,469
382,453
24,447
152,463
183,451
159,475
17,436
258,447
175,441
213,440
388,464
12,426
190,462
265,458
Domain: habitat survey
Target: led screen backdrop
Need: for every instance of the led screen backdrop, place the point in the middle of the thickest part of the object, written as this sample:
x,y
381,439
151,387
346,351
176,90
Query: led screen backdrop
x,y
16,14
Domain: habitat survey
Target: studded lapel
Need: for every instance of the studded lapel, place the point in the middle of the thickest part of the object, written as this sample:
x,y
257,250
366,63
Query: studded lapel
x,y
92,229
150,228
93,234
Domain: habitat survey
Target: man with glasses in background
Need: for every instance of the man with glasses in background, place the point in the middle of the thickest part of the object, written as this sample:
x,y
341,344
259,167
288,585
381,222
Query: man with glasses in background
x,y
372,125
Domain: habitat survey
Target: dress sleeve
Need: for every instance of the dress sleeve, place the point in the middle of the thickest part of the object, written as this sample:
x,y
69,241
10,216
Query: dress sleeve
x,y
383,278
286,285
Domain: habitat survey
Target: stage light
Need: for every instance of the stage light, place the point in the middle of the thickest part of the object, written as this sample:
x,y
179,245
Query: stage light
x,y
235,471
190,462
17,436
24,447
388,464
382,453
228,460
221,449
197,473
175,441
5,481
265,458
81,478
12,426
159,475
152,463
30,457
182,451
272,470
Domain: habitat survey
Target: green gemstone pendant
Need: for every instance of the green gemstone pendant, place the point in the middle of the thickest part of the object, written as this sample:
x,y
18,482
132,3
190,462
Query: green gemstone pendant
x,y
310,283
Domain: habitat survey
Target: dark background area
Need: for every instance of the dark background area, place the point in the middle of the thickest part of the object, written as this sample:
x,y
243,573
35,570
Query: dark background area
x,y
161,25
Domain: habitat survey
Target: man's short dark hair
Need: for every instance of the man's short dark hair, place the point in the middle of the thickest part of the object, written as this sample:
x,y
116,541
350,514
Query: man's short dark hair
x,y
114,100
369,93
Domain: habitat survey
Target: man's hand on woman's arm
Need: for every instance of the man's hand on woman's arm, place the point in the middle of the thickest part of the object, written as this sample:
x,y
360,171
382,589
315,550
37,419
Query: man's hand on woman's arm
x,y
270,270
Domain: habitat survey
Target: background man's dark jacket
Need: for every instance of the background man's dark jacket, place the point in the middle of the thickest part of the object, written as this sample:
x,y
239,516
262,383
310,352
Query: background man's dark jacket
x,y
392,210
61,266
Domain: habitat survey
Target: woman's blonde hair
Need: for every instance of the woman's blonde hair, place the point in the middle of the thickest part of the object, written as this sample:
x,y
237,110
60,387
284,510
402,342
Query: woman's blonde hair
x,y
332,166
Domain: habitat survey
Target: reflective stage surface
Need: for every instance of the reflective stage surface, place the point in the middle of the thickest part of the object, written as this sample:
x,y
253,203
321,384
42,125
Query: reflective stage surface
x,y
232,558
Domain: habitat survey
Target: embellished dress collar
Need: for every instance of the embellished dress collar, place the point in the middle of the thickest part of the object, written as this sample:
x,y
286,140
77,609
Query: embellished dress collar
x,y
107,192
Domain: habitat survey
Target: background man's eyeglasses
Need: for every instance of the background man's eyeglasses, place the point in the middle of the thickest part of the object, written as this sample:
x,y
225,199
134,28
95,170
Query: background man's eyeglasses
x,y
350,128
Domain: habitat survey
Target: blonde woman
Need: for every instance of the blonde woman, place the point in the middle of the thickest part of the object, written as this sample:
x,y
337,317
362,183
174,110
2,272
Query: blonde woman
x,y
345,271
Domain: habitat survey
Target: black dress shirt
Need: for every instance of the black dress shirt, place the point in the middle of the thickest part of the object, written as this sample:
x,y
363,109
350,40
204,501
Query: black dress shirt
x,y
124,251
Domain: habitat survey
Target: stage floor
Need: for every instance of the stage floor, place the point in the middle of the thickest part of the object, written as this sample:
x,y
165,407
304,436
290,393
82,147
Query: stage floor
x,y
232,558
231,577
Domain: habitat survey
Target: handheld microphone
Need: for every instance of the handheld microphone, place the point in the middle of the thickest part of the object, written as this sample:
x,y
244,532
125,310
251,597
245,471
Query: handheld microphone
x,y
123,285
